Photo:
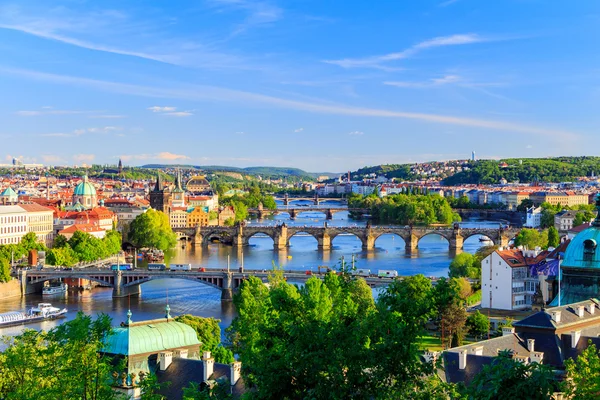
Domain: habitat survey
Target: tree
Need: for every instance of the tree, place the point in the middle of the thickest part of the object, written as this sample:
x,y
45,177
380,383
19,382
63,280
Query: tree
x,y
4,270
64,256
209,334
465,265
152,229
478,324
112,242
532,238
87,247
553,238
508,378
525,204
150,388
60,241
583,375
463,287
412,296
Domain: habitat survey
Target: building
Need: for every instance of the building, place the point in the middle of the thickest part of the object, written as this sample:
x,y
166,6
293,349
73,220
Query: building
x,y
550,337
90,229
9,196
85,195
178,194
514,199
178,217
172,351
210,202
563,221
13,224
510,278
568,199
580,267
160,196
40,220
198,185
533,217
197,216
226,213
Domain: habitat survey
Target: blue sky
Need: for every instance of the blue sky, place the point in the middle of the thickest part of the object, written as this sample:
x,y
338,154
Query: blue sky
x,y
319,85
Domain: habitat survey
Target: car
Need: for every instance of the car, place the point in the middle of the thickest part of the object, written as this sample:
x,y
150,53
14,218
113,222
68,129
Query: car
x,y
69,269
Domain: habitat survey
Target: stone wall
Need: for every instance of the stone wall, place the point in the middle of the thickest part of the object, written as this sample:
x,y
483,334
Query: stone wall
x,y
10,289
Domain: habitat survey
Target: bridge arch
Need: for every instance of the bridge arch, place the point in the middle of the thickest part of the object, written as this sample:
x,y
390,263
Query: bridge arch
x,y
347,234
299,234
394,237
216,283
433,234
218,235
37,280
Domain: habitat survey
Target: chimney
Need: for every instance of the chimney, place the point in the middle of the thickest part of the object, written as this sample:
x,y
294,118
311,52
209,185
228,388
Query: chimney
x,y
536,357
530,344
478,351
507,330
181,353
555,316
209,364
462,359
575,335
235,371
591,307
164,359
580,311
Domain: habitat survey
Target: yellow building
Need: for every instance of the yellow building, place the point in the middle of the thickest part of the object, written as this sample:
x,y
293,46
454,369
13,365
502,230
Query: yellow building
x,y
197,217
40,221
567,199
514,199
178,217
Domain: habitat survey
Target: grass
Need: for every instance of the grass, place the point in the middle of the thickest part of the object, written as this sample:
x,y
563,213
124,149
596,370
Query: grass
x,y
433,343
474,298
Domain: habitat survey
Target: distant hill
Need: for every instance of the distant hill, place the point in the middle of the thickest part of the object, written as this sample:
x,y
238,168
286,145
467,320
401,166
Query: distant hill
x,y
265,172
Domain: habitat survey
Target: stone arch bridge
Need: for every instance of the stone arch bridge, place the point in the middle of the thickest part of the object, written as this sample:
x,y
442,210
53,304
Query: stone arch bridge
x,y
281,234
294,211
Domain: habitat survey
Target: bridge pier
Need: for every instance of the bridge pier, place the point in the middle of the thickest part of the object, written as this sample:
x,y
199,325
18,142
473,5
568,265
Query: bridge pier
x,y
456,242
292,213
227,291
280,240
120,290
324,242
368,243
328,214
412,244
502,240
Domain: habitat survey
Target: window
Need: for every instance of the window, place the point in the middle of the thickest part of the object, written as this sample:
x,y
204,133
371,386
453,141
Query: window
x,y
589,249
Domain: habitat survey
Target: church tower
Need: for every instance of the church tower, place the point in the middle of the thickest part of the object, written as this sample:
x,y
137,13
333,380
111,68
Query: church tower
x,y
120,167
159,196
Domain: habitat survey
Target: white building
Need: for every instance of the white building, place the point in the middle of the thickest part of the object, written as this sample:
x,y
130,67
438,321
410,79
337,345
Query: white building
x,y
40,221
13,224
178,217
506,280
364,190
534,217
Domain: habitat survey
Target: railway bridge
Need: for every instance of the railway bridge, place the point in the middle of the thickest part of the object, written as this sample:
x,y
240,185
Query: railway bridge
x,y
281,234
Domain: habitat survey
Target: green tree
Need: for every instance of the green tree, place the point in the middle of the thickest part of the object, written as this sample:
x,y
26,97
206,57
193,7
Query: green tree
x,y
507,378
60,241
241,210
553,238
63,256
150,388
87,247
532,238
112,242
411,296
478,324
4,270
583,375
525,204
465,265
209,334
152,229
463,287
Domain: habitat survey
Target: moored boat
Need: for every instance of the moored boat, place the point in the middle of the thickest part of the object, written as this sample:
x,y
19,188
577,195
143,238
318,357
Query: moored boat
x,y
49,290
42,312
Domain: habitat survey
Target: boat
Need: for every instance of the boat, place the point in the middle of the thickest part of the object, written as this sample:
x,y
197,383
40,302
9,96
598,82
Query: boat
x,y
42,312
62,288
486,241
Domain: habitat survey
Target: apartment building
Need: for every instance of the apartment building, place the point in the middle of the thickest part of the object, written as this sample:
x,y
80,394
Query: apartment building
x,y
40,221
13,224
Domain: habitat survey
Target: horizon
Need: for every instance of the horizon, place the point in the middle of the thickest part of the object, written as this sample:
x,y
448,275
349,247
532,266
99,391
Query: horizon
x,y
301,83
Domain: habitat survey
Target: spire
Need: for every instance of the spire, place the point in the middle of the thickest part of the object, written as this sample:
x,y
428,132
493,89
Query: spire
x,y
159,184
596,222
179,179
129,314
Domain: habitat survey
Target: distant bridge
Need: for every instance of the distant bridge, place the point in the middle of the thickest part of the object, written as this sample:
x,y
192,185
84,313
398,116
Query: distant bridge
x,y
281,234
125,283
316,199
293,212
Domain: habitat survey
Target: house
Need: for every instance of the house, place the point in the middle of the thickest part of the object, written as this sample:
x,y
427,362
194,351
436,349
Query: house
x,y
511,277
40,222
90,229
533,217
197,216
563,221
226,213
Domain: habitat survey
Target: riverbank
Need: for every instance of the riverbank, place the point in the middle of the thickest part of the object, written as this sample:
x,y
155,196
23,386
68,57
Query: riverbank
x,y
10,289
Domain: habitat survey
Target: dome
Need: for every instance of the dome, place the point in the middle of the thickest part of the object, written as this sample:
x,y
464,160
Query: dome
x,y
84,188
9,192
198,183
584,249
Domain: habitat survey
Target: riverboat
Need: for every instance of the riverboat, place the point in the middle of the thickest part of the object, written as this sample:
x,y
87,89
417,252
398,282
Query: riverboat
x,y
43,311
51,290
486,241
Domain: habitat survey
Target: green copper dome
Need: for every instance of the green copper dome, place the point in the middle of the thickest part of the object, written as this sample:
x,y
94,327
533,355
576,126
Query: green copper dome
x,y
85,188
150,337
584,249
9,192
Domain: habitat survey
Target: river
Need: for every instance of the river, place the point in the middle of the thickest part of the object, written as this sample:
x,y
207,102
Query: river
x,y
185,297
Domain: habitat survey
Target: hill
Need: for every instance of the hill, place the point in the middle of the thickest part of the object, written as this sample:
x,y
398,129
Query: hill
x,y
265,172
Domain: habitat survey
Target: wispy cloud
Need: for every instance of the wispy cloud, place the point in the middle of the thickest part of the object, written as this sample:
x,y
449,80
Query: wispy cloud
x,y
378,62
202,93
298,130
87,158
49,111
170,111
447,79
256,13
356,133
163,156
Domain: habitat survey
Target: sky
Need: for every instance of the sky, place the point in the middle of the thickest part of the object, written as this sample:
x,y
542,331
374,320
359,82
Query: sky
x,y
319,85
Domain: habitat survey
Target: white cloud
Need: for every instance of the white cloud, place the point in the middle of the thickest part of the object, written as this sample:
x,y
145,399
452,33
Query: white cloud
x,y
356,133
179,114
377,61
163,156
48,111
159,109
212,93
240,133
256,13
298,130
48,158
529,146
445,80
87,158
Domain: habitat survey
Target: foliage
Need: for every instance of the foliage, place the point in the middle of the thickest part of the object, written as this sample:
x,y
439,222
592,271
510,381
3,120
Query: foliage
x,y
583,217
474,298
406,209
152,229
150,388
209,334
4,270
532,238
507,378
525,204
301,342
64,256
553,238
63,363
465,265
194,392
463,287
478,324
241,210
583,375
252,200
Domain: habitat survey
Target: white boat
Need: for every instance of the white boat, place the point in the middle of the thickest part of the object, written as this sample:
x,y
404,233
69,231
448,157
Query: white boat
x,y
42,312
49,290
485,241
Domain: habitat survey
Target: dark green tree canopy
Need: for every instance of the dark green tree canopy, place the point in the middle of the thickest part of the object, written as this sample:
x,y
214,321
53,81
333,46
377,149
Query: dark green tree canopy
x,y
152,229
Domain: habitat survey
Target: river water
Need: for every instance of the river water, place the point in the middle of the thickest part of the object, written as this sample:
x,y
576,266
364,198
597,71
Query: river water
x,y
185,297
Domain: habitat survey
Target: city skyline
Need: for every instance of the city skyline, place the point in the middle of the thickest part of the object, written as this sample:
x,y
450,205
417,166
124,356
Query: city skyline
x,y
315,86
